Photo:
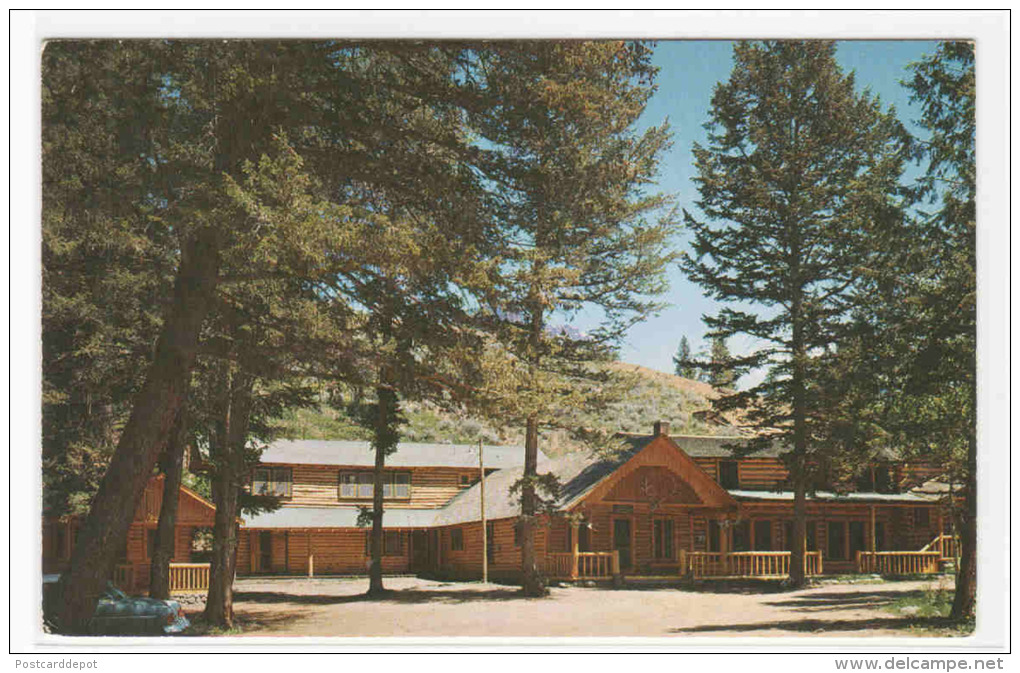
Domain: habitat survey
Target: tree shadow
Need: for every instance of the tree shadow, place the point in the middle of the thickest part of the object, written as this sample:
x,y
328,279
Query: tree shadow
x,y
815,602
823,626
398,596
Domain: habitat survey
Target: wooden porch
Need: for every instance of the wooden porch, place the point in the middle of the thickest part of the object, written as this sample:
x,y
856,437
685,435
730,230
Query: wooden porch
x,y
185,578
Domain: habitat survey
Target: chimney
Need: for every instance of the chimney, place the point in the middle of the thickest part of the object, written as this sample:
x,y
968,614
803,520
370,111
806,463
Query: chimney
x,y
660,428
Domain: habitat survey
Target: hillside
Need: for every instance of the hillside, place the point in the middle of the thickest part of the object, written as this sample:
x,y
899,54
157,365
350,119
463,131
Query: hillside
x,y
655,396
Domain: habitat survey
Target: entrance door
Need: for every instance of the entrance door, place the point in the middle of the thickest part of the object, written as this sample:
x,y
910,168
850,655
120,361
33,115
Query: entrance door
x,y
621,542
265,551
420,551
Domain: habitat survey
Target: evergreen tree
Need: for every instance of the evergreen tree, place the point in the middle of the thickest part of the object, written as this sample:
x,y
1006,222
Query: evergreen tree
x,y
577,228
799,174
720,372
682,361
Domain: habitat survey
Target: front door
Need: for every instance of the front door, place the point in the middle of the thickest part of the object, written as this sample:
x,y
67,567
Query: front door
x,y
420,551
621,542
265,551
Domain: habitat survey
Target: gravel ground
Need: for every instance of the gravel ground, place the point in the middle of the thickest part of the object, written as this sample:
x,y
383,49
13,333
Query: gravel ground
x,y
416,607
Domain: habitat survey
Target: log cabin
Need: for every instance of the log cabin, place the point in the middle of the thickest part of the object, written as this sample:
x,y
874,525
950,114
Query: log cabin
x,y
659,505
189,567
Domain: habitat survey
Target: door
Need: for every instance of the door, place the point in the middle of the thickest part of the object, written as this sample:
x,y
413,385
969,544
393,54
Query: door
x,y
265,551
622,542
419,551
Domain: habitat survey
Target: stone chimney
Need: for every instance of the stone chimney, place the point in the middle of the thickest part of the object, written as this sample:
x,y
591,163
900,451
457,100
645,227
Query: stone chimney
x,y
660,428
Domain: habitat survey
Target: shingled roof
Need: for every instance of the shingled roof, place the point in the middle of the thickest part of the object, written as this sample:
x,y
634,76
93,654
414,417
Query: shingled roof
x,y
408,454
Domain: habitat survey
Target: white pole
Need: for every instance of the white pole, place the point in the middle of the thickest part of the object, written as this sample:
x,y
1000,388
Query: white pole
x,y
485,529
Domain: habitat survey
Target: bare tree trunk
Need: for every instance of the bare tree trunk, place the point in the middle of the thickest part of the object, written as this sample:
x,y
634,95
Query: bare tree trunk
x,y
532,582
966,574
104,532
172,466
385,442
228,480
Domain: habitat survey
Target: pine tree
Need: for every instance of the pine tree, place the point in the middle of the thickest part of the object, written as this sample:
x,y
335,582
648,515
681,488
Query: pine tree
x,y
720,372
682,361
799,173
579,229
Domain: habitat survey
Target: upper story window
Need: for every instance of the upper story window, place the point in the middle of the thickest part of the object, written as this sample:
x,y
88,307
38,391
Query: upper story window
x,y
877,479
361,485
272,481
729,474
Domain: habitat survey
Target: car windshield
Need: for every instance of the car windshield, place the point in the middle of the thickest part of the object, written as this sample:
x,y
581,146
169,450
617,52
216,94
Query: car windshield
x,y
113,592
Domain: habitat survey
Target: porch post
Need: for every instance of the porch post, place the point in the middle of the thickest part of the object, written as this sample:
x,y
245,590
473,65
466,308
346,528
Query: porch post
x,y
873,544
574,548
724,544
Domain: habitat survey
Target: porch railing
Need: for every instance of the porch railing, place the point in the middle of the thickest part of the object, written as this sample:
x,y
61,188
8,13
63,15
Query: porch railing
x,y
751,564
898,562
583,565
946,545
184,577
189,577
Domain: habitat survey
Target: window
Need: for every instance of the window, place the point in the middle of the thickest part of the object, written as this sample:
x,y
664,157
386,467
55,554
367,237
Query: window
x,y
880,536
856,538
742,536
714,536
836,548
763,536
729,474
393,543
877,479
810,530
922,518
272,481
662,538
361,485
457,539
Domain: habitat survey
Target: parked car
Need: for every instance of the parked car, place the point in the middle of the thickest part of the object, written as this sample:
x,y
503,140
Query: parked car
x,y
119,614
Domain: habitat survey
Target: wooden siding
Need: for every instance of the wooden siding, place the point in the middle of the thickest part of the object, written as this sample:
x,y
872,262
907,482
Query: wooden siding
x,y
431,487
466,563
339,551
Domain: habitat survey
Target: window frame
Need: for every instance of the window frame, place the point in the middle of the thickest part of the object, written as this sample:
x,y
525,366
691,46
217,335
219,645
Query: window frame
x,y
363,483
719,472
663,539
273,481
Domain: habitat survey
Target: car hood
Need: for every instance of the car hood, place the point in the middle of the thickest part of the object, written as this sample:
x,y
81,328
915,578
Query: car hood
x,y
135,605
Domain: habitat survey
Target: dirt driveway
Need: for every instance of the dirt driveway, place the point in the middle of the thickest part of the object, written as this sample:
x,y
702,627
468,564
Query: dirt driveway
x,y
416,607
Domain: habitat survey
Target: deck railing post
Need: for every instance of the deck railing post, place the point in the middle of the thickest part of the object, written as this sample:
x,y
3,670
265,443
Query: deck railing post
x,y
574,549
616,562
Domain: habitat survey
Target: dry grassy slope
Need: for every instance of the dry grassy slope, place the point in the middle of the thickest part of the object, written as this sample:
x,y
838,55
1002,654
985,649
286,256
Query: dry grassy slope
x,y
655,396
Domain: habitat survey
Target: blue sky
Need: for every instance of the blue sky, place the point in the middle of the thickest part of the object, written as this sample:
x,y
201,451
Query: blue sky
x,y
688,72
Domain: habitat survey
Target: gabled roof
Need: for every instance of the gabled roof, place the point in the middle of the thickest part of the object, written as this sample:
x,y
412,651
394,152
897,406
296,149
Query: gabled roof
x,y
408,454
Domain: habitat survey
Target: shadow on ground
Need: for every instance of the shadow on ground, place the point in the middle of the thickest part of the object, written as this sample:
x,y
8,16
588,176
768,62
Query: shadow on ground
x,y
405,596
816,602
820,625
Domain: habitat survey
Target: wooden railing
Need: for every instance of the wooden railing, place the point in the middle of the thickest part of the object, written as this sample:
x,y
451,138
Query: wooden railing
x,y
184,577
583,565
752,564
189,577
946,545
898,562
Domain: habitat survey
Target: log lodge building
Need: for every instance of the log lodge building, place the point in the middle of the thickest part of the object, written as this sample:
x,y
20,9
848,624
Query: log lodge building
x,y
665,506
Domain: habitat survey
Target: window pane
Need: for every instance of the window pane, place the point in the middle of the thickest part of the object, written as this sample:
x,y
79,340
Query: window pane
x,y
729,474
365,485
402,485
392,543
281,482
387,488
260,484
348,485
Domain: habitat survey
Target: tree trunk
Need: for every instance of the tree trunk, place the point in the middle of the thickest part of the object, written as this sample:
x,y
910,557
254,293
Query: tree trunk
x,y
172,467
228,480
966,574
385,443
798,577
532,582
104,532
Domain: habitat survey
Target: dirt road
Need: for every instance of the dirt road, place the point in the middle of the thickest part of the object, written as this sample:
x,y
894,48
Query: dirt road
x,y
415,607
